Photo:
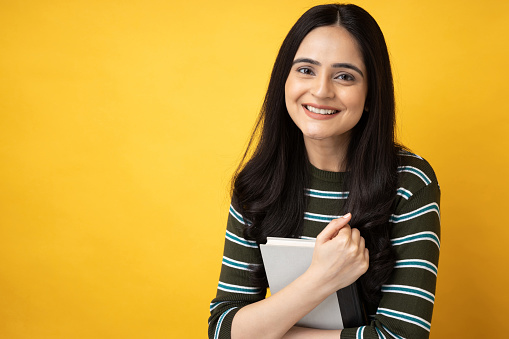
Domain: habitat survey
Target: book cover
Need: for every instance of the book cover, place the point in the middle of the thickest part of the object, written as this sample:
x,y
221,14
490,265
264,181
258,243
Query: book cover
x,y
285,259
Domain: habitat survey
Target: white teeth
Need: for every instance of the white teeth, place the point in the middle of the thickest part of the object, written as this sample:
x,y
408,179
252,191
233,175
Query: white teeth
x,y
320,110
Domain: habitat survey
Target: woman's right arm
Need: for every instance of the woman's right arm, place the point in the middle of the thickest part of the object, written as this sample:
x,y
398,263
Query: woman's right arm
x,y
338,260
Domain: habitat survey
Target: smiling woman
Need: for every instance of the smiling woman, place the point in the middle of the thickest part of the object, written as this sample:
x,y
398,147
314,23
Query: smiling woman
x,y
327,166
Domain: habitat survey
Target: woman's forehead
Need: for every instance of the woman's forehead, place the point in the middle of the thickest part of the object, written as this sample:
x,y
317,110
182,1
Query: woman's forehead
x,y
329,45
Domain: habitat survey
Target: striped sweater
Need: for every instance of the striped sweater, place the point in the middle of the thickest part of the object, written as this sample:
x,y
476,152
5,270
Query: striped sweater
x,y
408,297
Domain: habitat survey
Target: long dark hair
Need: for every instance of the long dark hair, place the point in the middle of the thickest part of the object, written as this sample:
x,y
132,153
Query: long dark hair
x,y
268,186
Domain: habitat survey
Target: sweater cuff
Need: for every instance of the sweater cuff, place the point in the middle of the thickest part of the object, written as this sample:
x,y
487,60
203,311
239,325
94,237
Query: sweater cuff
x,y
224,324
349,333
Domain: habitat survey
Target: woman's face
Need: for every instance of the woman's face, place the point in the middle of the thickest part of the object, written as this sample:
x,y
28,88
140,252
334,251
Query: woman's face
x,y
326,89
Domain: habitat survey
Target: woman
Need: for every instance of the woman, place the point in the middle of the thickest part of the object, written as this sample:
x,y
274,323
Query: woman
x,y
326,165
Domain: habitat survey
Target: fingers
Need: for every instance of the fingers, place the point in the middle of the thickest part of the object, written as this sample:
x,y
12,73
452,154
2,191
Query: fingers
x,y
365,261
332,229
340,255
356,236
354,241
341,235
357,248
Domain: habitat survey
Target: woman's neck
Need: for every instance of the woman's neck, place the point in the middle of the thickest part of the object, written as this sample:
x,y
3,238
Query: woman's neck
x,y
327,155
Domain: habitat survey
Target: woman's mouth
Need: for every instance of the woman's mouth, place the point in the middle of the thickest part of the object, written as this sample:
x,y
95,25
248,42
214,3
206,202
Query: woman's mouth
x,y
322,111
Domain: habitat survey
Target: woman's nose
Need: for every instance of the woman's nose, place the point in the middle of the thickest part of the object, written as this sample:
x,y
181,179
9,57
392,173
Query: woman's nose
x,y
322,87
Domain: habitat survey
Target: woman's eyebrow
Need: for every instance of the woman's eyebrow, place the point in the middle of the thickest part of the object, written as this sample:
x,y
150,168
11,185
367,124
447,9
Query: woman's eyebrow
x,y
350,66
306,60
337,65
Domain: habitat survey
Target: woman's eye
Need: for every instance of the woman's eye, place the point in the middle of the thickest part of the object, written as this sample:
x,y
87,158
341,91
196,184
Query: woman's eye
x,y
346,77
305,70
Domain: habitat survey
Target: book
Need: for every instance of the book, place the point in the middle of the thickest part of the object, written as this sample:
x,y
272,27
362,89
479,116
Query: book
x,y
285,259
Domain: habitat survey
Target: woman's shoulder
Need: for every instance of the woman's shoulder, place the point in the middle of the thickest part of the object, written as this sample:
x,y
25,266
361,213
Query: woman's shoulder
x,y
414,174
417,204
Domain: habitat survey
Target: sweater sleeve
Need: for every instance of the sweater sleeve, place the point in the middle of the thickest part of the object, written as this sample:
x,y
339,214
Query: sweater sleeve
x,y
235,288
408,297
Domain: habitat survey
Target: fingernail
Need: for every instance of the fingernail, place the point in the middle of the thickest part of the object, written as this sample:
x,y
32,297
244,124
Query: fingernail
x,y
346,215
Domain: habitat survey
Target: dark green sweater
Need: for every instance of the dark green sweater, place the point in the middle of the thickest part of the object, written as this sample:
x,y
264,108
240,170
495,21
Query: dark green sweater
x,y
408,297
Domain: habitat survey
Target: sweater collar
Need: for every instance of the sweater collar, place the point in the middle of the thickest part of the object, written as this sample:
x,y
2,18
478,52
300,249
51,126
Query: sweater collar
x,y
326,175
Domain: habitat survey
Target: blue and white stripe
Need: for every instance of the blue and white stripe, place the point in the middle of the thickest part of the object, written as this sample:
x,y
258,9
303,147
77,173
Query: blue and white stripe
x,y
409,154
426,236
432,207
237,264
392,334
220,321
416,171
360,332
320,217
241,241
417,263
404,193
409,290
409,318
326,194
238,289
380,334
214,305
238,216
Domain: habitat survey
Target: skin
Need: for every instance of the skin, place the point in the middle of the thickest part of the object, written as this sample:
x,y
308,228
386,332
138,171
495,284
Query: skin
x,y
340,256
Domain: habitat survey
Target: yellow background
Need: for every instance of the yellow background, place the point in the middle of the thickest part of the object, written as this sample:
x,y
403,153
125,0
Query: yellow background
x,y
121,123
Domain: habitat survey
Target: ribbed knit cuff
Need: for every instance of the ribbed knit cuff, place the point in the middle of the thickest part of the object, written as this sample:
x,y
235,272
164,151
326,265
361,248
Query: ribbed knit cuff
x,y
225,326
349,333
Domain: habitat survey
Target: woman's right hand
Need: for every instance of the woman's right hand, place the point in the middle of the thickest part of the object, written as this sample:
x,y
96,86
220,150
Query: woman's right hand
x,y
340,256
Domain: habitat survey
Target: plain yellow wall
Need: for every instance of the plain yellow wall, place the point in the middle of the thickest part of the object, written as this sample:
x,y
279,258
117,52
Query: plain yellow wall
x,y
121,123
